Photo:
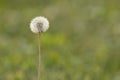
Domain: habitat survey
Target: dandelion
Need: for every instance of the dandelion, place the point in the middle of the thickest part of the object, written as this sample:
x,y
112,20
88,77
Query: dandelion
x,y
38,25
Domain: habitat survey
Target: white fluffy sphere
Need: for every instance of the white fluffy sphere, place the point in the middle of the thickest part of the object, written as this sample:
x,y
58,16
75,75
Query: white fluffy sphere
x,y
39,24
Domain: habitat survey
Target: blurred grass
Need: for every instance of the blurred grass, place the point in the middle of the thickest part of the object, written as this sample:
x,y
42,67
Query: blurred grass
x,y
82,43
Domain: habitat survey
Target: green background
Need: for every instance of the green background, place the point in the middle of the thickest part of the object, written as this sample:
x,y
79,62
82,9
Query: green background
x,y
82,43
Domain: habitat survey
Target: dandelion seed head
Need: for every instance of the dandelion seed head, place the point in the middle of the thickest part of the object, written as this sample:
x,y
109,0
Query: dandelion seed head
x,y
39,24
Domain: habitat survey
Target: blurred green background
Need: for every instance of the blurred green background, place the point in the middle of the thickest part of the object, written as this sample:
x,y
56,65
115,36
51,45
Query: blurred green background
x,y
83,42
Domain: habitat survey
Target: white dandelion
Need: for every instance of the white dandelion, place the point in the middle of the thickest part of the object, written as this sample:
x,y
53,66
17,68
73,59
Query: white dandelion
x,y
39,24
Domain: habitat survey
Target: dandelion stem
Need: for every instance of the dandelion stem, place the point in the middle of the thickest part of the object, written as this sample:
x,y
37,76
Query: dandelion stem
x,y
39,56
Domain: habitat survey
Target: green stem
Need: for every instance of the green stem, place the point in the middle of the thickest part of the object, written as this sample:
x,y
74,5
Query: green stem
x,y
39,56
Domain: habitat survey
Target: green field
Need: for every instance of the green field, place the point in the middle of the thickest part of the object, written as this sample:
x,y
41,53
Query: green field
x,y
82,43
